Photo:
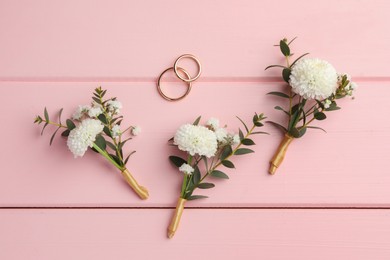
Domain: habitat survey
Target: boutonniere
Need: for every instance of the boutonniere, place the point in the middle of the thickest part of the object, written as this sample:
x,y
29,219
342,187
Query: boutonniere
x,y
98,126
208,148
314,86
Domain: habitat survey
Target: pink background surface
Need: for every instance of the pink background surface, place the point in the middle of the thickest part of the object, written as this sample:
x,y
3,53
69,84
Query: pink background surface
x,y
54,53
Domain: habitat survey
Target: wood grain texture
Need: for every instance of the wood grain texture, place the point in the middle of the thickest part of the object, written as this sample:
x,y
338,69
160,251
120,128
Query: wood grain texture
x,y
227,234
345,167
54,53
62,40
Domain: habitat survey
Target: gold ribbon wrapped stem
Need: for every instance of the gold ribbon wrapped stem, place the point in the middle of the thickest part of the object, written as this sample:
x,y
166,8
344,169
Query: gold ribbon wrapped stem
x,y
176,217
142,192
280,153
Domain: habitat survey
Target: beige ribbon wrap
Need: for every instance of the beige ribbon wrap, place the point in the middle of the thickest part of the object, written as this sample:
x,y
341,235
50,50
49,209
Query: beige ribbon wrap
x,y
280,153
142,192
176,217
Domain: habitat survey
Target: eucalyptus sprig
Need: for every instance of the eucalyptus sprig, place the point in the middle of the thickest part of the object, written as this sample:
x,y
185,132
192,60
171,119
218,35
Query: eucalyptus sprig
x,y
208,149
314,87
97,126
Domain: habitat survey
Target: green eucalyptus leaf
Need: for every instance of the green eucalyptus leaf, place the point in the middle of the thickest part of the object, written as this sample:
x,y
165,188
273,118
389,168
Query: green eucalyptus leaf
x,y
241,151
278,126
46,115
103,119
259,132
286,75
300,57
246,128
54,134
219,174
100,142
196,122
128,157
107,131
316,127
259,124
97,100
177,161
43,128
111,145
195,197
70,124
65,133
116,159
206,185
240,134
284,48
59,115
247,141
279,94
275,66
319,116
226,152
297,133
227,164
196,175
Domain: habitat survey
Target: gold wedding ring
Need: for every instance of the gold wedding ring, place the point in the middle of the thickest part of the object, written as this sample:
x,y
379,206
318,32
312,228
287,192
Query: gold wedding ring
x,y
192,57
184,76
189,85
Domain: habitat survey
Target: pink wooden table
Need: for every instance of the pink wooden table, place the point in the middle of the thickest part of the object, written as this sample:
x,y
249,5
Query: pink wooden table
x,y
320,205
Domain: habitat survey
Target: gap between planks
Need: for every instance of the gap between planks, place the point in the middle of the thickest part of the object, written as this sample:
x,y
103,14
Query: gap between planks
x,y
206,208
168,79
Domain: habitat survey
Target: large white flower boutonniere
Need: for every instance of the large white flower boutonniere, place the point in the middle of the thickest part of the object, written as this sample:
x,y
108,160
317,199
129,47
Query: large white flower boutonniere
x,y
313,88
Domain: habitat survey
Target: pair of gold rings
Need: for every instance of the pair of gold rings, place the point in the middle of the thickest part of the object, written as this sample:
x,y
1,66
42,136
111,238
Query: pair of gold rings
x,y
183,76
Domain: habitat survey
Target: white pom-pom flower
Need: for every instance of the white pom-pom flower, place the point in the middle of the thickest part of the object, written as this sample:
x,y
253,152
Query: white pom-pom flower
x,y
83,136
186,169
196,139
116,131
313,78
114,105
236,139
135,130
95,111
221,134
80,111
213,123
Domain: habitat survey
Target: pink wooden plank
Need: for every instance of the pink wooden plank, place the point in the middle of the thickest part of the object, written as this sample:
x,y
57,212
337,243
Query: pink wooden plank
x,y
138,39
216,234
345,167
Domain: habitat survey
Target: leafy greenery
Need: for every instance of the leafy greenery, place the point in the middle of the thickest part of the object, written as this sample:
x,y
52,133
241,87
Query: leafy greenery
x,y
210,166
106,144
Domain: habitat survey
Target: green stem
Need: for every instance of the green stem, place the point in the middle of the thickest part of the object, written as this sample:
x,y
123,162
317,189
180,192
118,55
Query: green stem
x,y
107,156
53,123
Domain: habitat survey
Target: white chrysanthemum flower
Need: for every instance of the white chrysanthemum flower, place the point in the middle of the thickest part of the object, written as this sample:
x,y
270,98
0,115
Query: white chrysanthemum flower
x,y
236,139
327,103
95,111
136,130
186,169
83,136
313,78
116,131
221,134
114,105
80,111
196,140
213,123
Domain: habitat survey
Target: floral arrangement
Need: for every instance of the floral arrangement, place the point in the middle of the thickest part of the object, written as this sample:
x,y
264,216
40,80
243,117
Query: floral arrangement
x,y
98,126
314,88
211,146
